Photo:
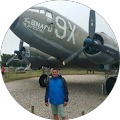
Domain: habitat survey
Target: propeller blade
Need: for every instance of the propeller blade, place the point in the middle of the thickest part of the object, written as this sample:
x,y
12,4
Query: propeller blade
x,y
26,60
29,50
74,55
109,51
92,24
20,45
10,60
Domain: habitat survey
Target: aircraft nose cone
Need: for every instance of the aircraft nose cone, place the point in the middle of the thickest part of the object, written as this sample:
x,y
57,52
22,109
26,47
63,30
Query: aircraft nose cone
x,y
14,24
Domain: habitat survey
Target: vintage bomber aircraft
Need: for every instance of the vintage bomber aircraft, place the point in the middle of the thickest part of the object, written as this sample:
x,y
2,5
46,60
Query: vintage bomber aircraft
x,y
56,40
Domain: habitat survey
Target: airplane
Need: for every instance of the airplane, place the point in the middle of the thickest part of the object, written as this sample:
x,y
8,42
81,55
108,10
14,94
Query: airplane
x,y
56,41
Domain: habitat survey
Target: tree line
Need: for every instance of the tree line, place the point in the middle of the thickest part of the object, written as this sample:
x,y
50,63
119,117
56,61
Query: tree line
x,y
6,57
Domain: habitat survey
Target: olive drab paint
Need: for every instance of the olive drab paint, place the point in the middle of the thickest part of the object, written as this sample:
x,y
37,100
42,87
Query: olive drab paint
x,y
33,24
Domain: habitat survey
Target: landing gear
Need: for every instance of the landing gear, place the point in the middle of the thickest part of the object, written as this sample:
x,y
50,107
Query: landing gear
x,y
43,80
110,81
44,77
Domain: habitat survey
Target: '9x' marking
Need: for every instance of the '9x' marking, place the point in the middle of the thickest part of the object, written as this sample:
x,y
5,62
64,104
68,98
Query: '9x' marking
x,y
64,30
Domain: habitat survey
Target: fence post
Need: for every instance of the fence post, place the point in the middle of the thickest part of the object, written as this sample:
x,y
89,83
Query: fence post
x,y
83,113
32,109
103,89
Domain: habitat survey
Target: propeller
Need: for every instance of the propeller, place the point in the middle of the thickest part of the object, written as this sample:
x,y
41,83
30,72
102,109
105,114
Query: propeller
x,y
21,45
20,54
90,42
11,60
73,55
92,24
109,51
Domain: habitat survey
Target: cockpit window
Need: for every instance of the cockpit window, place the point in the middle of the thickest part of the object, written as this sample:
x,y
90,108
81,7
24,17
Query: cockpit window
x,y
49,14
34,10
42,11
38,11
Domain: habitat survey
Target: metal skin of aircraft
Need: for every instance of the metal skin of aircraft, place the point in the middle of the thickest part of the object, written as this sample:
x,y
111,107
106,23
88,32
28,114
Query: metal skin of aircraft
x,y
54,39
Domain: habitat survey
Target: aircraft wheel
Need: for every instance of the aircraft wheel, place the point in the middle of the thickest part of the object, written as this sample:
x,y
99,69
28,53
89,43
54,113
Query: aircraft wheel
x,y
43,80
110,84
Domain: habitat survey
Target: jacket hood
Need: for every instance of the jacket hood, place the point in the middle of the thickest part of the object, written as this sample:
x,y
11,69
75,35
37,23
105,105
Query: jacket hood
x,y
59,76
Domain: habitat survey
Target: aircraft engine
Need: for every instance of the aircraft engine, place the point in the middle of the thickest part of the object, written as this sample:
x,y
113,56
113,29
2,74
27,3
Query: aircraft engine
x,y
21,54
97,56
98,47
27,51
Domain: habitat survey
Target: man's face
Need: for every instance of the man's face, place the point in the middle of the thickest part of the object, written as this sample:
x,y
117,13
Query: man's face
x,y
54,73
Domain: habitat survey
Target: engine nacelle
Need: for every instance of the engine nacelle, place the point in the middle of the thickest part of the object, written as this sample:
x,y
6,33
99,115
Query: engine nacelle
x,y
98,57
38,58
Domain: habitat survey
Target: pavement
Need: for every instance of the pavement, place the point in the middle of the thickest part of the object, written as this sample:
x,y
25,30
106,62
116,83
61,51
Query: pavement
x,y
85,94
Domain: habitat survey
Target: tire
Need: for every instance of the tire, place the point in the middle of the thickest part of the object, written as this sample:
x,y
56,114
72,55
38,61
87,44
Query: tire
x,y
110,84
42,80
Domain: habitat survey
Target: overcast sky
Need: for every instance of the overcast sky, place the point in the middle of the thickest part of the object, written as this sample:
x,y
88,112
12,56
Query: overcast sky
x,y
76,12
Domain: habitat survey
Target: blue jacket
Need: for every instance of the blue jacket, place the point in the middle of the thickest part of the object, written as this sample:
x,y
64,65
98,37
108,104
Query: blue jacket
x,y
56,91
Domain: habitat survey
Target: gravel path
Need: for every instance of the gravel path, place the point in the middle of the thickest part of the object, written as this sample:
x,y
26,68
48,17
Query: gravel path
x,y
84,94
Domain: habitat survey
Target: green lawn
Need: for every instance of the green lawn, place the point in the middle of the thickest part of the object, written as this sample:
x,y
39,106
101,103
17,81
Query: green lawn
x,y
11,76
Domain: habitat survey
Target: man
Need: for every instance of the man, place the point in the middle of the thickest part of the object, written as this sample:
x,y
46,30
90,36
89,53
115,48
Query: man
x,y
57,94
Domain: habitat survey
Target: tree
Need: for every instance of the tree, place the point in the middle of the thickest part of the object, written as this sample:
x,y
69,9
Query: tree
x,y
6,57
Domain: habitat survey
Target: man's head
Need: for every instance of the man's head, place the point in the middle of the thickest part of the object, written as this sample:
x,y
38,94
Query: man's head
x,y
55,72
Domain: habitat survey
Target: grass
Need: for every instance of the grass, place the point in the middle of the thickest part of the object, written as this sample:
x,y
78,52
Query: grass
x,y
12,76
9,76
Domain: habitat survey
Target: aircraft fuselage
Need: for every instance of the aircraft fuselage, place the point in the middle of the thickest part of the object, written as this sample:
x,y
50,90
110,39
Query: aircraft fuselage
x,y
53,34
